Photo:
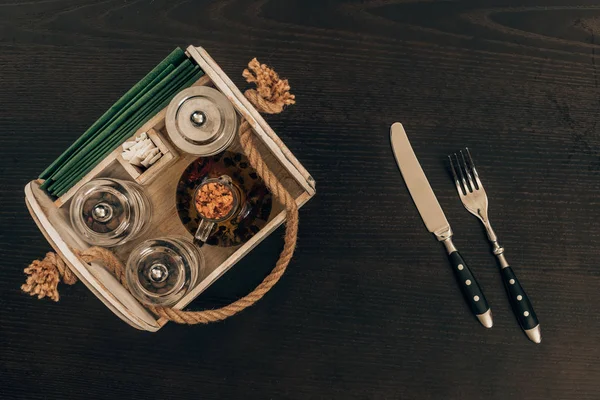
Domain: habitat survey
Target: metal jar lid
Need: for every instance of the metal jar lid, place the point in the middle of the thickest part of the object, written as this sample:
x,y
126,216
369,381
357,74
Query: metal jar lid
x,y
201,121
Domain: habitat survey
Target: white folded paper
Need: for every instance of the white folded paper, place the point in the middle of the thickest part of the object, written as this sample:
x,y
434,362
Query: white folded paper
x,y
142,152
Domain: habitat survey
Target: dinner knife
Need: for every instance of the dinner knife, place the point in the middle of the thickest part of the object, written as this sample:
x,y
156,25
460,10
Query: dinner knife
x,y
436,222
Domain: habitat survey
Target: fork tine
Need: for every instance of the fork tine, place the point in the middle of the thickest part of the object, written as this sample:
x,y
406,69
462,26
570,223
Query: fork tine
x,y
456,181
462,175
466,168
475,174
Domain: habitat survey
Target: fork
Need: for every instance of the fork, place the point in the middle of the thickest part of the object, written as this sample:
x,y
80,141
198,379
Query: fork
x,y
473,196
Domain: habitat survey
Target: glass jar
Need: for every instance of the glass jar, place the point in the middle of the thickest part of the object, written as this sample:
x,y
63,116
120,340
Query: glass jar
x,y
161,271
108,212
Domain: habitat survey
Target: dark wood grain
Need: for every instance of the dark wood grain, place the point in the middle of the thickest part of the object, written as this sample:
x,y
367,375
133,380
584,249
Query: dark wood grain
x,y
368,308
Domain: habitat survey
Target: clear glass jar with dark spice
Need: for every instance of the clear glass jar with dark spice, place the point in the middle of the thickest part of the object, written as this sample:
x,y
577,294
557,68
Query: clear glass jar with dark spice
x,y
108,212
161,271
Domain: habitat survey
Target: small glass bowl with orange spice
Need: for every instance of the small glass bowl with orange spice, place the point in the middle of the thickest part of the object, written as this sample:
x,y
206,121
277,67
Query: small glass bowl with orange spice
x,y
216,200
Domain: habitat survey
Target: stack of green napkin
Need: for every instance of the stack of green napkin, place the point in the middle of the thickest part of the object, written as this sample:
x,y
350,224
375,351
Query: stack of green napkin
x,y
121,121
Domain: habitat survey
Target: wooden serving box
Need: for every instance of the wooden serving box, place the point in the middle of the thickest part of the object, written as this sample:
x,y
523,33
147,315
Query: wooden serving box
x,y
160,181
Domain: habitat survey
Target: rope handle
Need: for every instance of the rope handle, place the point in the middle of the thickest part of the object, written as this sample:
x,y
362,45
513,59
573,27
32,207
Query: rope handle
x,y
271,95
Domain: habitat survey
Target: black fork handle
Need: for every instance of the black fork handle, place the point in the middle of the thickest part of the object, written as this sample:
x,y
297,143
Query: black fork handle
x,y
521,305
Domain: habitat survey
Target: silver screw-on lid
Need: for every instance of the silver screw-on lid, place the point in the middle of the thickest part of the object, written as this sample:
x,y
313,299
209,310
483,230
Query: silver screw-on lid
x,y
201,121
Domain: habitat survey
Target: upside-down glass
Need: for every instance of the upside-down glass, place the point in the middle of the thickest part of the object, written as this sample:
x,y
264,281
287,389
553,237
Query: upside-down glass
x,y
161,271
108,212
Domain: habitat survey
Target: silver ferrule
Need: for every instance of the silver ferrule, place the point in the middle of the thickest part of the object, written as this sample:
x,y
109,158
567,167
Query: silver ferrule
x,y
496,248
444,235
502,261
450,248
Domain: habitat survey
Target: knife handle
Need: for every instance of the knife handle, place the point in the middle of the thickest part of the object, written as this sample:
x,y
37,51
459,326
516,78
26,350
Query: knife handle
x,y
521,304
470,289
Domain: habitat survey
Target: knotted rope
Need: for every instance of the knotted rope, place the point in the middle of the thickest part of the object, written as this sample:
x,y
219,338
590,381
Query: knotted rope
x,y
270,96
44,276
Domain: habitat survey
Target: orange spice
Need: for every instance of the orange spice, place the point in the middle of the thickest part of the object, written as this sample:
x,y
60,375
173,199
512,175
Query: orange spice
x,y
214,200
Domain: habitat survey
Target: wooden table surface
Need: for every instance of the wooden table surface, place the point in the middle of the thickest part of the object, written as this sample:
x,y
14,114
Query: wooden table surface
x,y
368,307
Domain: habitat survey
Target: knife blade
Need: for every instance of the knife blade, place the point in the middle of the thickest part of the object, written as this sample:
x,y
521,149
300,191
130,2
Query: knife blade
x,y
435,220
